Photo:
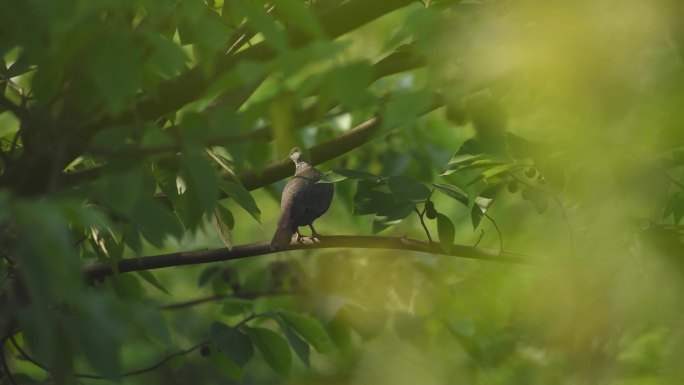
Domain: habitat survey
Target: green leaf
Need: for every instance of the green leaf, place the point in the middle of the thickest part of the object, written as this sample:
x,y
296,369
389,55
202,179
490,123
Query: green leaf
x,y
299,16
479,163
350,83
226,366
300,346
273,348
236,306
202,186
207,31
405,107
476,216
310,329
156,222
407,189
356,174
490,175
446,231
124,186
207,274
264,23
113,67
224,224
453,192
242,197
232,342
152,280
167,58
176,363
99,347
392,215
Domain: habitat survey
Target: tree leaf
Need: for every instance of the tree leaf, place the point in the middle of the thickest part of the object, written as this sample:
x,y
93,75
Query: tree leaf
x,y
264,23
226,366
356,174
453,192
207,274
446,231
152,280
113,67
350,83
476,215
233,343
300,16
407,189
405,107
242,197
202,186
310,329
224,223
273,348
300,346
156,222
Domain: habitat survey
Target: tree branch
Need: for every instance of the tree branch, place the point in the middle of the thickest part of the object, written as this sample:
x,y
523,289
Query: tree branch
x,y
218,297
101,270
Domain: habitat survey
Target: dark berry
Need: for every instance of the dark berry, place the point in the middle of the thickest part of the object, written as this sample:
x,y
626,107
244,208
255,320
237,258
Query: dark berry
x,y
429,205
431,214
512,186
205,351
531,172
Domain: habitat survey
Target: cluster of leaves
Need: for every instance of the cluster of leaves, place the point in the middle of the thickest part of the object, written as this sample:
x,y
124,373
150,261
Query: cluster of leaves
x,y
131,128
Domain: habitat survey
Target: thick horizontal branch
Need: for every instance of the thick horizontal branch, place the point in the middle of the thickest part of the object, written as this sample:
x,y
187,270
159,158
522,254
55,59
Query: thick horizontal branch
x,y
99,271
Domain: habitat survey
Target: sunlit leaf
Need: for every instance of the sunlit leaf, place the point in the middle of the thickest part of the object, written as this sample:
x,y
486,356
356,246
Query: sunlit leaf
x,y
453,192
446,231
242,197
310,329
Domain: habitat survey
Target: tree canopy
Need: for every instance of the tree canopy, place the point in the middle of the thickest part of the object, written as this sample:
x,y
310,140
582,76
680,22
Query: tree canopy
x,y
509,191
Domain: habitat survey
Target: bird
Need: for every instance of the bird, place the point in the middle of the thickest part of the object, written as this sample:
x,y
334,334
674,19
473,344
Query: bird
x,y
304,199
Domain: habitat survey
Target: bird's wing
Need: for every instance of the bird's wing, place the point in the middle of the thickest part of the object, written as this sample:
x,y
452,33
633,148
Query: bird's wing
x,y
315,197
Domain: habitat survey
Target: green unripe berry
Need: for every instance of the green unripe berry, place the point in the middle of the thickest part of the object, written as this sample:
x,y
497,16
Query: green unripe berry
x,y
431,214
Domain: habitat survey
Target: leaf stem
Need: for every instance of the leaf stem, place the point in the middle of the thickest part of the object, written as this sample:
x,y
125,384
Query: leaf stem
x,y
422,223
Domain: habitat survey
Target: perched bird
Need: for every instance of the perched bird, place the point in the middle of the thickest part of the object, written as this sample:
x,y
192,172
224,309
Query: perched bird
x,y
302,202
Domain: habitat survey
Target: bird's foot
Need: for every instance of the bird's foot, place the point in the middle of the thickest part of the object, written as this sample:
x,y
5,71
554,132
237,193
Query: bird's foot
x,y
299,237
314,235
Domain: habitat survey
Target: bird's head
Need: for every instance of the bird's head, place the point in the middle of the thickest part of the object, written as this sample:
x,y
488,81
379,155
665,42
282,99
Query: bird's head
x,y
296,154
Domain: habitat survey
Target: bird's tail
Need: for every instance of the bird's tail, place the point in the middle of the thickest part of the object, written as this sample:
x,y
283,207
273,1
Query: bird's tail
x,y
283,234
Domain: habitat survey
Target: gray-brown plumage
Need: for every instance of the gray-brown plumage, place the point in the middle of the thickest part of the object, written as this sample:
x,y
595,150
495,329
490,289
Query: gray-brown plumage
x,y
302,202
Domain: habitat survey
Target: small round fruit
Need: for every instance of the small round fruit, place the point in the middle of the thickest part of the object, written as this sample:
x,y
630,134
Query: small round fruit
x,y
531,172
205,351
429,205
512,186
431,214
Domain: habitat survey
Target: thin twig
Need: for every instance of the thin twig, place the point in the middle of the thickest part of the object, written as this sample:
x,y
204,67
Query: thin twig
x,y
422,223
131,373
479,238
136,372
218,297
567,224
497,231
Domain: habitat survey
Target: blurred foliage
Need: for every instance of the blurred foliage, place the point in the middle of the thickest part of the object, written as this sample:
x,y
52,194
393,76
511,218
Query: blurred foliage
x,y
142,127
